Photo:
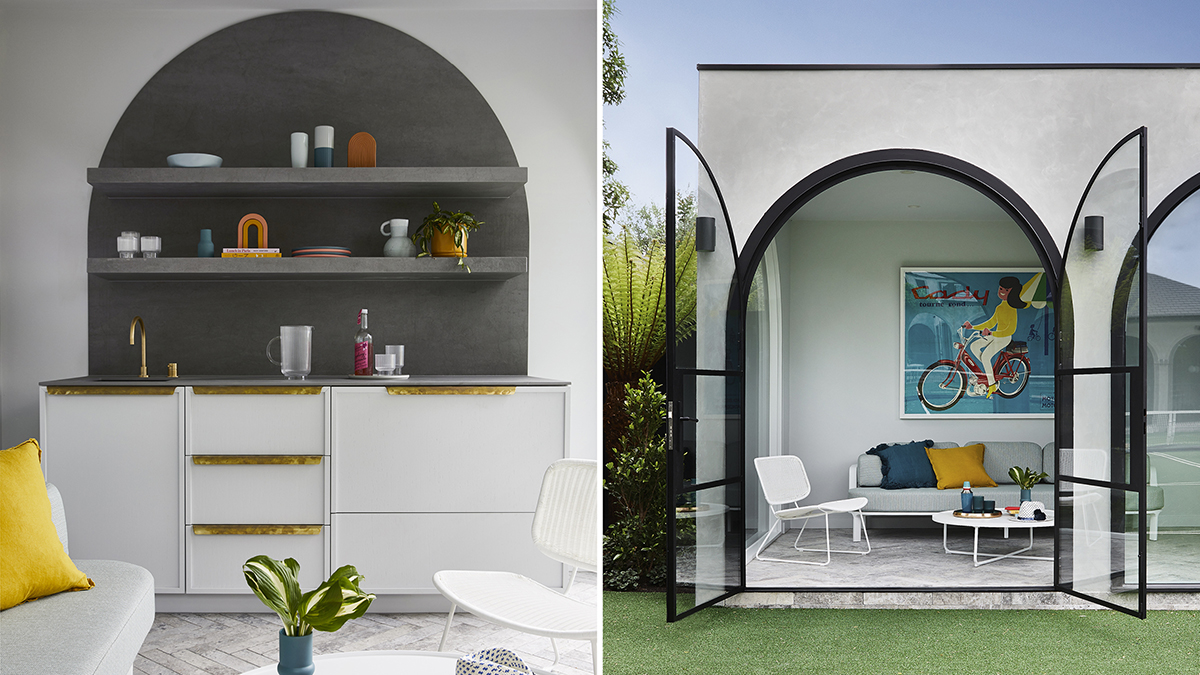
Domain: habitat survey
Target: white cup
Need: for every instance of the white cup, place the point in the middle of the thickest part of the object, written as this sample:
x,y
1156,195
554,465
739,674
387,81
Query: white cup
x,y
385,364
398,350
295,351
299,150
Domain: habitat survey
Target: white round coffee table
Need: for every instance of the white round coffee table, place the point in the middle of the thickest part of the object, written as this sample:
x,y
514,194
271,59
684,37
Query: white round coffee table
x,y
1004,522
380,662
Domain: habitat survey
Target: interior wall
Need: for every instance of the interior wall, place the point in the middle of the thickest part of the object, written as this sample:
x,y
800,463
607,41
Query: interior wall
x,y
843,319
67,74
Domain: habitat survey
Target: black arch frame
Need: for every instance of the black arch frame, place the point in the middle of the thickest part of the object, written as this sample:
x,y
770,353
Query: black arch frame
x,y
900,159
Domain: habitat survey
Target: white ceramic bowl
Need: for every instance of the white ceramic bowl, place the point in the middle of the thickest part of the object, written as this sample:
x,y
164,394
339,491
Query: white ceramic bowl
x,y
193,160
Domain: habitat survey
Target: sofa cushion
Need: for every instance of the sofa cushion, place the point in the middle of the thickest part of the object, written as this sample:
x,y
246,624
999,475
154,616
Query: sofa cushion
x,y
870,467
33,561
97,632
1000,456
955,466
905,465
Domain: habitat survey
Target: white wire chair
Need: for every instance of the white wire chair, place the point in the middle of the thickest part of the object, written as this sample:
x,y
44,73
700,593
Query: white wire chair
x,y
784,481
565,528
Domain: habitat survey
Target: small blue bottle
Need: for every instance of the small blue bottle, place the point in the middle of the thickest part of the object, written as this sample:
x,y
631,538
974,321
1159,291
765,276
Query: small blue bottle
x,y
966,497
205,249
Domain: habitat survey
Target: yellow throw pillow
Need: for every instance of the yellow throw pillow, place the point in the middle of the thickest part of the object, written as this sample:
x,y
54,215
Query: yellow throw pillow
x,y
954,466
33,563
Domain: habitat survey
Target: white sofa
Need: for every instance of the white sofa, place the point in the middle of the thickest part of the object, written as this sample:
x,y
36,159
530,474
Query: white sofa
x,y
98,631
998,456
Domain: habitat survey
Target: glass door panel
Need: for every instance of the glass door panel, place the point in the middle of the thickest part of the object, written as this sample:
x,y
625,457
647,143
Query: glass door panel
x,y
708,553
1100,502
705,388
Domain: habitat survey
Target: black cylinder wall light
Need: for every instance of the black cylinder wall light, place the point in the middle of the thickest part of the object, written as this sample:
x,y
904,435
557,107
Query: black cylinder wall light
x,y
1093,233
706,233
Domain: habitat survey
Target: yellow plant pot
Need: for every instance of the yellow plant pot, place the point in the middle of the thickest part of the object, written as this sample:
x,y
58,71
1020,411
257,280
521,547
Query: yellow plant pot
x,y
442,245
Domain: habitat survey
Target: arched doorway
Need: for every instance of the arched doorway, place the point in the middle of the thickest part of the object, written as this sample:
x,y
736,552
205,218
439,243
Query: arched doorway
x,y
829,253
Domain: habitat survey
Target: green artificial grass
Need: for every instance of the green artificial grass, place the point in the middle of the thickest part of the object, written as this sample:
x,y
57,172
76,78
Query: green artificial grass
x,y
638,641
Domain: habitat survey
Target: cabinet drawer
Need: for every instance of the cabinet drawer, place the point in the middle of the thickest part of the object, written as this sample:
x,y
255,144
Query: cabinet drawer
x,y
214,561
444,453
257,424
399,552
257,494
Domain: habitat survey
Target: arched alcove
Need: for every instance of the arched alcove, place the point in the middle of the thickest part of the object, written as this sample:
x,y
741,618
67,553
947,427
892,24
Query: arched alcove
x,y
239,93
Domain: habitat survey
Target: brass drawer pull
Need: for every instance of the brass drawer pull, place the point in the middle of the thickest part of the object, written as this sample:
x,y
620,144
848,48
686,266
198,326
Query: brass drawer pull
x,y
257,391
256,529
452,391
110,391
256,459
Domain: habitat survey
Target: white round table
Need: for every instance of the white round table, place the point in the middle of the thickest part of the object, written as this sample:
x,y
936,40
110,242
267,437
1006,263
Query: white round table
x,y
381,662
1004,521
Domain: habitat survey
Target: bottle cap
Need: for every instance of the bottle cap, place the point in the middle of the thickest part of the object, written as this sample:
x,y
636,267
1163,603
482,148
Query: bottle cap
x,y
966,484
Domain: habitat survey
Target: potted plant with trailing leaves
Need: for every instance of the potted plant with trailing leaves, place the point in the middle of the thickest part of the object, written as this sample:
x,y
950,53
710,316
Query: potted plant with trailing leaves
x,y
326,608
443,234
1026,478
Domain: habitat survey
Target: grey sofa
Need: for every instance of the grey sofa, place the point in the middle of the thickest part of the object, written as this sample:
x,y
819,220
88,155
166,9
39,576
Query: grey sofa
x,y
998,456
75,633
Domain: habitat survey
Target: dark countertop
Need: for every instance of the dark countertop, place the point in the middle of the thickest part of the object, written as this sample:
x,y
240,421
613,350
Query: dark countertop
x,y
311,381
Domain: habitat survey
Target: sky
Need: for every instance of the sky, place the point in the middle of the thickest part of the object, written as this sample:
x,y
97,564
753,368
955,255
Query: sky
x,y
663,40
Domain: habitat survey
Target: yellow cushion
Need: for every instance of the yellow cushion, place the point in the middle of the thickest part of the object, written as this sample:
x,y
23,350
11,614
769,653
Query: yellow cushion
x,y
953,466
33,563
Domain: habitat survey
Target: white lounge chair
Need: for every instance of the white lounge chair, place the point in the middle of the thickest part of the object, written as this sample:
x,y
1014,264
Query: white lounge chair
x,y
565,529
784,481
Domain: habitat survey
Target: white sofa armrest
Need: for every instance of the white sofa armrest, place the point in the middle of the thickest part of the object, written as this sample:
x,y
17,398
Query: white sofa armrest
x,y
853,475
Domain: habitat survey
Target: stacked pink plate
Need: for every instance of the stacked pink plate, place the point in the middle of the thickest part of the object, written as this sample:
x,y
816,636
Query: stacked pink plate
x,y
321,252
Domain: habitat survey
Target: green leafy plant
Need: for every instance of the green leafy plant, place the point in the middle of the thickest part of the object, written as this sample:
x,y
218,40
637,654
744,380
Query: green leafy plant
x,y
636,485
457,223
1026,477
326,608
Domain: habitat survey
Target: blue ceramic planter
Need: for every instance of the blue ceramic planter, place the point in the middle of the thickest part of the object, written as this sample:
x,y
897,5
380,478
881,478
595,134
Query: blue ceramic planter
x,y
295,654
1026,495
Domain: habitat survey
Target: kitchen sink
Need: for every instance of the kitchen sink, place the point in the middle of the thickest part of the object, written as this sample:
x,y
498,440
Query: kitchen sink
x,y
131,378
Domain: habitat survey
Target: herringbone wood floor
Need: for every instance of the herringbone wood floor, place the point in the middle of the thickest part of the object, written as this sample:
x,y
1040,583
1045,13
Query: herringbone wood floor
x,y
229,644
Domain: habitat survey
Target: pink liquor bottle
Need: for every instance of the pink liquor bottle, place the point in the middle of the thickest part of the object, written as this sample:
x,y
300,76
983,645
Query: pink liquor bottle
x,y
364,351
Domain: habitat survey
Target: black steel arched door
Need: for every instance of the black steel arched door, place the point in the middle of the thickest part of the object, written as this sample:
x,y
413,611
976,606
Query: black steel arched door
x,y
705,389
1100,495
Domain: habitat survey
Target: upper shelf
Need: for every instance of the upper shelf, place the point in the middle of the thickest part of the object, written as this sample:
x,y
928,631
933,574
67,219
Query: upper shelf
x,y
325,269
398,182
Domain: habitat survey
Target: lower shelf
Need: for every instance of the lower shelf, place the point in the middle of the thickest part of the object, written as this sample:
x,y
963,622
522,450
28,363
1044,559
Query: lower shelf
x,y
323,269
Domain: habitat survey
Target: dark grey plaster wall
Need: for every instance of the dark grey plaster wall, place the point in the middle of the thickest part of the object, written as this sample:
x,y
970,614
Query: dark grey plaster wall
x,y
239,93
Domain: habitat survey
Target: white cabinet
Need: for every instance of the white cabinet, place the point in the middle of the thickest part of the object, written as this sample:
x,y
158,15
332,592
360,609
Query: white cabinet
x,y
190,482
257,471
441,478
117,458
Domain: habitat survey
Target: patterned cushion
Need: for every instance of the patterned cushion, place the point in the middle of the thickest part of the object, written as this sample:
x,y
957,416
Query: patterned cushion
x,y
1000,456
493,661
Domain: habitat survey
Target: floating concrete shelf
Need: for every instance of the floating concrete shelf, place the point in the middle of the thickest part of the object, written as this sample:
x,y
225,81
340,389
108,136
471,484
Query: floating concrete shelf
x,y
322,269
401,182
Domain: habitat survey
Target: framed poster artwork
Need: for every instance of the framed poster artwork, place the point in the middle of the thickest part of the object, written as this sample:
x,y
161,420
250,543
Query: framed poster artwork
x,y
976,342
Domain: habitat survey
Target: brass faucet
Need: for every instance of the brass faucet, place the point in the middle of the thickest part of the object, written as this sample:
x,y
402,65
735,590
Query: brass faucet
x,y
137,320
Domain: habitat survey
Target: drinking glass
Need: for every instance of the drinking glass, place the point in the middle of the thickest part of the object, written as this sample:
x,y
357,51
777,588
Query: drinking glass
x,y
385,364
295,351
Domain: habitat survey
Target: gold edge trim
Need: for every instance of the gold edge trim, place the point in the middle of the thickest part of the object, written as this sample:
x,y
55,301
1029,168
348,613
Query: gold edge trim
x,y
256,391
110,391
454,391
256,529
256,459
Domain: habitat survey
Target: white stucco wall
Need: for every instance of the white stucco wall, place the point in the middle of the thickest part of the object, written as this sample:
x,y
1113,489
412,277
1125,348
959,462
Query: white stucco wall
x,y
1042,132
67,72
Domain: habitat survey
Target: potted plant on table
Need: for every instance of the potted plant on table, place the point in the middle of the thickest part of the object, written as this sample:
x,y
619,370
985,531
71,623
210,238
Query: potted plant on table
x,y
1026,478
443,234
326,608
